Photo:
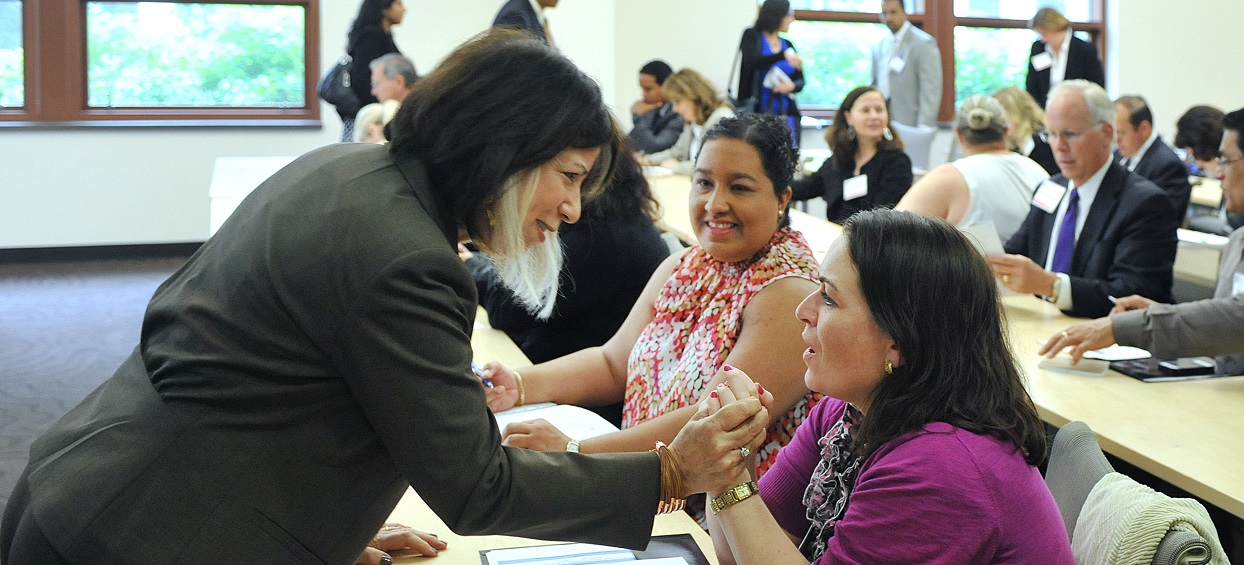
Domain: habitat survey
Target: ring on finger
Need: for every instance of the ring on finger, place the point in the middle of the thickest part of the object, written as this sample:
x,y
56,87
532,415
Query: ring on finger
x,y
745,452
1006,279
1065,334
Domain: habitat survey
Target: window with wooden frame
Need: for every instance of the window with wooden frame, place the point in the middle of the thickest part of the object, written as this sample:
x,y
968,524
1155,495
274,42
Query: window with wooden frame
x,y
110,62
984,43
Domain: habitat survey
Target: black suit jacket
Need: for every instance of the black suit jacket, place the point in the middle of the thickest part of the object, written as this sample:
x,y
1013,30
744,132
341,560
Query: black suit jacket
x,y
889,177
519,14
1127,245
1082,62
309,362
1163,167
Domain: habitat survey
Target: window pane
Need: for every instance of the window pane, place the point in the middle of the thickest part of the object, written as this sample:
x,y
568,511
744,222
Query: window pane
x,y
987,59
836,58
1075,10
144,54
12,67
871,6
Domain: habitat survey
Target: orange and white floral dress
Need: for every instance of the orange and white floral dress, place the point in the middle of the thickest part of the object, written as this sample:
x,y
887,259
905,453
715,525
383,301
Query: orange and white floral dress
x,y
695,325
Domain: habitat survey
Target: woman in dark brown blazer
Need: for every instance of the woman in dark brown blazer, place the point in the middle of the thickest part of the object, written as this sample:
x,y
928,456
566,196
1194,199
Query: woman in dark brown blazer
x,y
312,360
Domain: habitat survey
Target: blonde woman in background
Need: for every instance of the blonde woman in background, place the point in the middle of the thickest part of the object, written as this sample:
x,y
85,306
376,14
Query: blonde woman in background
x,y
989,184
699,104
1025,118
1058,55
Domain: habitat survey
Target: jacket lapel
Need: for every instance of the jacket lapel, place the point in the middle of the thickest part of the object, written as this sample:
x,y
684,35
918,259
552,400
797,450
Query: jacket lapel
x,y
1099,216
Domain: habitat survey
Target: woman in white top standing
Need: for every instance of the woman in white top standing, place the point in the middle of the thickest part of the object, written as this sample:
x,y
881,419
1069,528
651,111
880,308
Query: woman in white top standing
x,y
697,101
990,183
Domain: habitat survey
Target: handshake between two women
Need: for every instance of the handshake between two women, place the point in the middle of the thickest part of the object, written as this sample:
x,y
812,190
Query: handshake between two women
x,y
712,450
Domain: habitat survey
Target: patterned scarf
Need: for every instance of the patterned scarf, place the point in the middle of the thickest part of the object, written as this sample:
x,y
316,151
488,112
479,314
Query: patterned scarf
x,y
829,490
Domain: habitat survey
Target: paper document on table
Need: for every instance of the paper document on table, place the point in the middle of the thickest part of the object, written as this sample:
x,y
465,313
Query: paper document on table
x,y
563,554
1117,352
576,422
984,237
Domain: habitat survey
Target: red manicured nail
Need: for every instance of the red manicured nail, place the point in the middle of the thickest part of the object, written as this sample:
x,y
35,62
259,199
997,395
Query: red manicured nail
x,y
713,394
727,367
760,388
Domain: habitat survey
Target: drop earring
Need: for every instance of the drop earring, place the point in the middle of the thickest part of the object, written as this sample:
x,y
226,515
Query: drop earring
x,y
889,367
887,134
851,133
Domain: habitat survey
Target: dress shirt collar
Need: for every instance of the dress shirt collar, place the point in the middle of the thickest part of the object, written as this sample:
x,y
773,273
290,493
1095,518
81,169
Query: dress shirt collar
x,y
1088,193
1140,153
1058,69
901,33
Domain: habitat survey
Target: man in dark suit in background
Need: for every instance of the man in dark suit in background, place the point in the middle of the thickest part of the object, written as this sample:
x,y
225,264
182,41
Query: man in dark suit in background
x,y
1095,231
528,15
1143,152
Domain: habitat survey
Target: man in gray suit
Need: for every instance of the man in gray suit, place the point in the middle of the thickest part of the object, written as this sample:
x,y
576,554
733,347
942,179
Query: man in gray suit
x,y
1213,326
907,69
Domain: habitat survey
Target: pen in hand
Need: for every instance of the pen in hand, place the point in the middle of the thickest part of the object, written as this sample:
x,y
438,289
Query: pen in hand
x,y
479,372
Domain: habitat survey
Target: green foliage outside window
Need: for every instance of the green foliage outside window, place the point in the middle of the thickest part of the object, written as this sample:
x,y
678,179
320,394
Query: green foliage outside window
x,y
836,59
12,87
162,54
988,59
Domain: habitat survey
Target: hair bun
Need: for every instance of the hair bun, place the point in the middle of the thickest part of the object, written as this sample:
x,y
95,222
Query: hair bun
x,y
979,118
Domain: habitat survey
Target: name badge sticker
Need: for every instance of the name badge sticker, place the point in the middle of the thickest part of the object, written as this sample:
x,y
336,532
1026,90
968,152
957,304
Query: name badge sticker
x,y
1042,61
1048,195
855,187
897,65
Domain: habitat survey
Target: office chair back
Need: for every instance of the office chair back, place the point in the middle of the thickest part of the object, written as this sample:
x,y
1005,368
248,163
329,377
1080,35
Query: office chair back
x,y
918,143
1077,464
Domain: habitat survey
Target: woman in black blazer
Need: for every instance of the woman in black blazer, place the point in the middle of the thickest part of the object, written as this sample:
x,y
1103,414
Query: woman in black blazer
x,y
864,144
370,37
312,361
1056,34
763,50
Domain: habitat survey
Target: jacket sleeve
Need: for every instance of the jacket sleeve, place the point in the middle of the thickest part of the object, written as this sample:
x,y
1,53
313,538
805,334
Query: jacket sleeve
x,y
753,62
680,150
1031,84
1093,71
405,355
930,77
1214,326
812,186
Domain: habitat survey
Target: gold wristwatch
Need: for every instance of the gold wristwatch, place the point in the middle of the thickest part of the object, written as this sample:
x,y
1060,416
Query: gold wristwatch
x,y
733,495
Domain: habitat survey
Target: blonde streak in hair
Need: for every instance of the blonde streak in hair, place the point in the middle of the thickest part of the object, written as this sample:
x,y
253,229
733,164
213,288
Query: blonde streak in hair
x,y
531,274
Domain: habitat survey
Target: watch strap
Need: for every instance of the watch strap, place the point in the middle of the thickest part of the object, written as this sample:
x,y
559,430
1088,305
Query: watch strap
x,y
733,495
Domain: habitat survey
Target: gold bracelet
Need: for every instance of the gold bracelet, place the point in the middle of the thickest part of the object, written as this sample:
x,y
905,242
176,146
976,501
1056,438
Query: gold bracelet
x,y
671,498
734,495
522,393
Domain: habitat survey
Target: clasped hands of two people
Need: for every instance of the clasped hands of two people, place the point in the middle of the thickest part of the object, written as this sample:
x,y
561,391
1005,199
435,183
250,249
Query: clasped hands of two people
x,y
733,415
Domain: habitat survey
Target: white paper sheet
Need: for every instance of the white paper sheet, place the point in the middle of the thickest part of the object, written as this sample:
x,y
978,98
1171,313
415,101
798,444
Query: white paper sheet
x,y
576,422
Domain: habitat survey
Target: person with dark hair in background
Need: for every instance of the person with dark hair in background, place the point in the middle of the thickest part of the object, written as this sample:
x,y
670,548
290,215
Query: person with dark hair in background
x,y
907,69
771,71
312,361
526,15
1198,132
1025,119
1058,56
656,124
868,168
1142,151
705,309
701,107
610,254
371,35
924,448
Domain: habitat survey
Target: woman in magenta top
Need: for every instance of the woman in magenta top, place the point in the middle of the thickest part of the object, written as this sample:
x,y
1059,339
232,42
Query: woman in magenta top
x,y
923,450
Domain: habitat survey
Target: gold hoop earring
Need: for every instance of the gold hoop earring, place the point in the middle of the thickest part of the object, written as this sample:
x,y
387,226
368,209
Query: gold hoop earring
x,y
492,222
889,367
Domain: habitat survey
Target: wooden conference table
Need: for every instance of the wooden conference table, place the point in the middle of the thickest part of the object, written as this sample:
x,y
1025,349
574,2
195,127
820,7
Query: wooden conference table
x,y
1187,433
494,345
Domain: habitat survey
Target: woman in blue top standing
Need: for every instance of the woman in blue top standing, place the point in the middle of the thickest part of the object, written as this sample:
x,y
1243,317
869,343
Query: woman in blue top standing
x,y
771,71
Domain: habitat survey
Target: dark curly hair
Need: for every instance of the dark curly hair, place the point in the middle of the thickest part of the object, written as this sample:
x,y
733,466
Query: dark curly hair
x,y
956,366
770,137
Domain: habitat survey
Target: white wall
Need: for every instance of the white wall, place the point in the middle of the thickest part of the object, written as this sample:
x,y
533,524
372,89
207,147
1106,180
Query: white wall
x,y
102,186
